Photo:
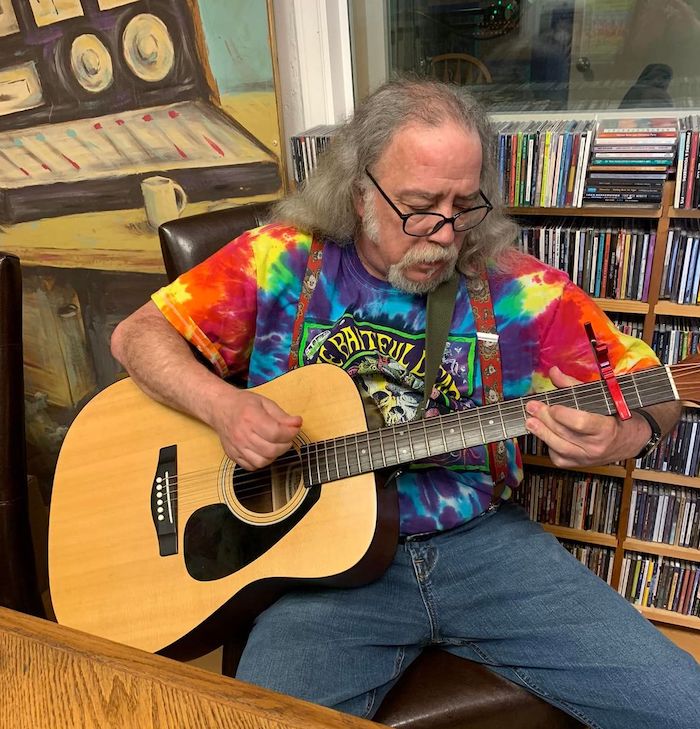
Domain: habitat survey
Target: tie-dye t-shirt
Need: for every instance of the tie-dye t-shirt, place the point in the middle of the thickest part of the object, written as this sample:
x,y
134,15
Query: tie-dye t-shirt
x,y
239,307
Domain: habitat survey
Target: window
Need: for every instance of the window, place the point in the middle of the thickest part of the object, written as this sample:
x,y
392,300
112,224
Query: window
x,y
537,55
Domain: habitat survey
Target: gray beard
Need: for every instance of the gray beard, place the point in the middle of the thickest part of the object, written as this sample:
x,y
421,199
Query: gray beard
x,y
397,279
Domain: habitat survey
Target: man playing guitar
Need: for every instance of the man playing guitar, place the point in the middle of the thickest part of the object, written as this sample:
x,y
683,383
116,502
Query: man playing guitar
x,y
406,196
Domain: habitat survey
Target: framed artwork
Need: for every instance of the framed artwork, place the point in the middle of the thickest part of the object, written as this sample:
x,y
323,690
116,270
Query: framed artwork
x,y
138,113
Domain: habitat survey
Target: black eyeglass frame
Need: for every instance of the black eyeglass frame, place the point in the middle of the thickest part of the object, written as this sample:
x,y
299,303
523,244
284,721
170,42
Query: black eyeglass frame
x,y
440,224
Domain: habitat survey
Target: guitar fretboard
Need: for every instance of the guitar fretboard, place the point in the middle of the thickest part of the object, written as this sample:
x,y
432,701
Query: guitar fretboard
x,y
390,447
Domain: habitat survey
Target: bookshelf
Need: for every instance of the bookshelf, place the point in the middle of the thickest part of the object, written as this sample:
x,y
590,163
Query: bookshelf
x,y
664,477
522,179
684,629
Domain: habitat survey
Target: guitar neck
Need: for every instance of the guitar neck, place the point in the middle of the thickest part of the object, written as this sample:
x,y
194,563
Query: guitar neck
x,y
390,447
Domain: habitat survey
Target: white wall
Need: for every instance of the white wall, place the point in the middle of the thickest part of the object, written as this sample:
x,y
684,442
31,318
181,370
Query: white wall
x,y
315,68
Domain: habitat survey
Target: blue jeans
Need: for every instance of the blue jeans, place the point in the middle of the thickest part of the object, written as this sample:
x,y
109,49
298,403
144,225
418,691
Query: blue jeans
x,y
498,590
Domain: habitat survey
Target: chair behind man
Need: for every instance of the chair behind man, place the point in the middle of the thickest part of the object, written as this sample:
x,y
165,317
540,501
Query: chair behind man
x,y
439,690
18,581
459,68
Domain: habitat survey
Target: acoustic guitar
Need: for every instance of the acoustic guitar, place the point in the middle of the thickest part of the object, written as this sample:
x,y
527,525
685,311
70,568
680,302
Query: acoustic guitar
x,y
159,541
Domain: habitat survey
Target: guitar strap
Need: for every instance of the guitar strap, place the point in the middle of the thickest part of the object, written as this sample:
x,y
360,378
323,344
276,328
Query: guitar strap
x,y
438,318
313,266
491,372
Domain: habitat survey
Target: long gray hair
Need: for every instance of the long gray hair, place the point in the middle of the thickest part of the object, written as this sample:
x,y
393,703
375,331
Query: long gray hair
x,y
324,204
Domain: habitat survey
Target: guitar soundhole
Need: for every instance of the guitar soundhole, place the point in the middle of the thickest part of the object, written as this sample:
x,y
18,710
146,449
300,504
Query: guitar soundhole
x,y
270,490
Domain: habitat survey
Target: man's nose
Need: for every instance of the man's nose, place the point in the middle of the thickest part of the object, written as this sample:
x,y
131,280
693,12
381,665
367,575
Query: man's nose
x,y
444,236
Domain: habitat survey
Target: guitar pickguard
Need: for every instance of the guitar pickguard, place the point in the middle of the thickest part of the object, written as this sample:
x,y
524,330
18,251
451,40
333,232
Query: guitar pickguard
x,y
217,543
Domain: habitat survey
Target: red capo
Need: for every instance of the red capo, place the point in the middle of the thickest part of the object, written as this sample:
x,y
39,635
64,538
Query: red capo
x,y
606,370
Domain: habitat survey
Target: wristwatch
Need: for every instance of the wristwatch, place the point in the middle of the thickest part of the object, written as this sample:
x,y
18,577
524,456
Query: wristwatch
x,y
655,437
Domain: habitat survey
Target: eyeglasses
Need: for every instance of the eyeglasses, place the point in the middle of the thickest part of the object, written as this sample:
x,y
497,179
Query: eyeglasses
x,y
422,224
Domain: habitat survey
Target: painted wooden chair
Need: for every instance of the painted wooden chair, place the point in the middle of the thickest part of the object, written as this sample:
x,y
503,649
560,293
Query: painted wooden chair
x,y
459,68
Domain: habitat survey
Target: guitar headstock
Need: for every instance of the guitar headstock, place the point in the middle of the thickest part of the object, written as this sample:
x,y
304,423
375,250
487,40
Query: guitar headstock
x,y
686,376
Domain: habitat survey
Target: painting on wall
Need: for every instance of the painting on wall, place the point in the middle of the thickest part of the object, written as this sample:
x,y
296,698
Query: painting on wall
x,y
115,116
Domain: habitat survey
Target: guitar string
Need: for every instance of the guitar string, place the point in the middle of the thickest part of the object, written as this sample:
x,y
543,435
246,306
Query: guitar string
x,y
554,397
432,423
249,483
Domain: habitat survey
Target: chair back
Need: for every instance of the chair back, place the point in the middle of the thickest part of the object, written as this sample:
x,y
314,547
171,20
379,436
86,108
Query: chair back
x,y
460,69
185,242
18,582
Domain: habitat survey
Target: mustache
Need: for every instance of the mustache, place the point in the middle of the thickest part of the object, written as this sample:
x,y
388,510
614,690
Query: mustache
x,y
427,254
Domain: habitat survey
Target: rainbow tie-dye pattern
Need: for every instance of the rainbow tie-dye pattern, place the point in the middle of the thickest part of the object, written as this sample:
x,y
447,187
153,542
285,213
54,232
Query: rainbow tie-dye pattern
x,y
239,307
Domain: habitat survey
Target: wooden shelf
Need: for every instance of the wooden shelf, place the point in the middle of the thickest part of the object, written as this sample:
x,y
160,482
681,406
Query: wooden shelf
x,y
617,471
683,213
669,617
590,212
676,479
581,535
668,308
624,306
664,550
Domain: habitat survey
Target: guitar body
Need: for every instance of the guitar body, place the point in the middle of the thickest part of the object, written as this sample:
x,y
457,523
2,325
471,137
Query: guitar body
x,y
113,574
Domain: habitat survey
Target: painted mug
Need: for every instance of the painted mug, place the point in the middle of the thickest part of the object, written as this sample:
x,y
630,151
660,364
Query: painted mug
x,y
163,199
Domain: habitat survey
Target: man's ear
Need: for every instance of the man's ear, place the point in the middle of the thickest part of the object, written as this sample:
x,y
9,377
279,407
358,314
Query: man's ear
x,y
358,200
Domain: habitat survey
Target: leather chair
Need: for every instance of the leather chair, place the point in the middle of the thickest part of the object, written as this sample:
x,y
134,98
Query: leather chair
x,y
439,690
18,582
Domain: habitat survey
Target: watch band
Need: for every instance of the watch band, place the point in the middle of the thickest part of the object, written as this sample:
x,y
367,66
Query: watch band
x,y
655,437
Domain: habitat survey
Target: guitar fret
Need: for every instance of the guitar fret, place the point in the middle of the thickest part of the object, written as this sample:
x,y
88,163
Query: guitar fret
x,y
337,465
431,427
406,448
326,460
318,464
347,457
636,391
396,445
491,429
413,430
656,386
455,439
481,427
442,433
367,452
461,430
381,448
426,440
573,392
503,424
307,458
522,407
610,410
514,423
390,434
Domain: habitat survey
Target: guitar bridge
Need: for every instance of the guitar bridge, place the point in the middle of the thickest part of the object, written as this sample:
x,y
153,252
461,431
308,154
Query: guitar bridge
x,y
164,501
